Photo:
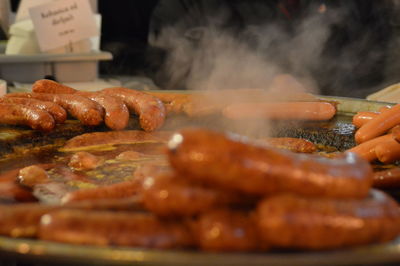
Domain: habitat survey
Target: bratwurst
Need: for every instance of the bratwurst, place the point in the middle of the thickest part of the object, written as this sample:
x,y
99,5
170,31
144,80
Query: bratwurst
x,y
232,163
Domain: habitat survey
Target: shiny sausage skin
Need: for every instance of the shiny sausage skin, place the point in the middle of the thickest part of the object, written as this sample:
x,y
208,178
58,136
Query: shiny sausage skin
x,y
85,110
18,114
379,125
290,221
387,179
150,109
116,113
284,110
123,189
59,114
166,194
361,118
366,150
388,151
291,144
96,139
228,162
105,228
22,220
225,230
50,86
11,191
175,103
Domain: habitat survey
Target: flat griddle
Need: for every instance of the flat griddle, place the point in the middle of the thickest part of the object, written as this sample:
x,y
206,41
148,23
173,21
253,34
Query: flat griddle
x,y
20,145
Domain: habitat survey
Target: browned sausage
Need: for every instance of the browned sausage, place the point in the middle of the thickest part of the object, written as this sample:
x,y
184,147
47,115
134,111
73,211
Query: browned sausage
x,y
97,139
290,221
150,109
18,114
113,228
49,86
387,179
22,220
224,230
228,162
292,144
284,110
116,113
85,110
166,194
59,114
123,189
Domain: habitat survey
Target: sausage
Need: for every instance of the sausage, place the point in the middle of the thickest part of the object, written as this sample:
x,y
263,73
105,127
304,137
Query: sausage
x,y
175,103
387,179
50,86
284,110
292,144
388,151
295,222
59,114
116,113
150,109
167,194
98,139
230,162
11,191
105,228
379,125
225,230
85,110
18,114
366,150
361,118
123,189
83,160
22,220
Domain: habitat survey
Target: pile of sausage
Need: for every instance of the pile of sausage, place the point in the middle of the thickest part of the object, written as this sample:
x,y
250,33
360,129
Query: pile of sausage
x,y
378,140
222,192
49,103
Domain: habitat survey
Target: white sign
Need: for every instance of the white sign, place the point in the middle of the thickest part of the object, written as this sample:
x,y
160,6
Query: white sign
x,y
25,5
63,22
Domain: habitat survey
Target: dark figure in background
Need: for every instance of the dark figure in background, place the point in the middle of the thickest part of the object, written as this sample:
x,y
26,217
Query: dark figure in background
x,y
351,59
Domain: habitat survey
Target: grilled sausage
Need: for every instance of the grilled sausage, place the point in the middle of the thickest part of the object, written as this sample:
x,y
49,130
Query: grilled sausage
x,y
291,144
97,139
59,114
387,179
366,150
284,110
116,113
388,151
85,110
290,221
228,162
22,220
361,118
225,230
113,228
379,125
167,194
18,114
150,109
50,86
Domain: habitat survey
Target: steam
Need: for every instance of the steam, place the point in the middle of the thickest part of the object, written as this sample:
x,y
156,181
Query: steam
x,y
214,58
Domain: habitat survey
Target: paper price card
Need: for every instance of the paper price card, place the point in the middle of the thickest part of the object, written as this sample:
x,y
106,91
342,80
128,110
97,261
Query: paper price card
x,y
63,22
